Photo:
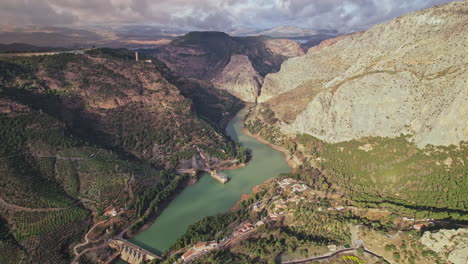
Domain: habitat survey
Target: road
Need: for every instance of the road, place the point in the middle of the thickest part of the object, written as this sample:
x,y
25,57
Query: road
x,y
354,229
75,248
77,257
355,242
224,244
329,255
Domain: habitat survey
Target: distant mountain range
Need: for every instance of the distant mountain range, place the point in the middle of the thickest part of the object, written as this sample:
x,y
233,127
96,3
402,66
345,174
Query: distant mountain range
x,y
127,37
284,32
130,36
22,47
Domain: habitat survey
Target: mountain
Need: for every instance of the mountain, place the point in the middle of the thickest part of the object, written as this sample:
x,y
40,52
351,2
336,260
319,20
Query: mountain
x,y
68,37
381,113
316,40
405,76
288,32
240,78
216,56
87,132
21,47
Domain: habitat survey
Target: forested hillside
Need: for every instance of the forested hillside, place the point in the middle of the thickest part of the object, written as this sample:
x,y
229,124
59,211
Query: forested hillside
x,y
82,133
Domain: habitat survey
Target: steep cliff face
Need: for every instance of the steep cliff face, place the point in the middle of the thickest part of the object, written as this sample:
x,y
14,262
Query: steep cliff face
x,y
406,76
240,78
235,64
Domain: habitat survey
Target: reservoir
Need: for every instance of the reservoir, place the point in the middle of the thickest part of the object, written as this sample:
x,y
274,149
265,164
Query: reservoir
x,y
209,197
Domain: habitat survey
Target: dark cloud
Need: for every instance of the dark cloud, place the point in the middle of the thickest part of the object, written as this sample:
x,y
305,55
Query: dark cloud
x,y
344,15
35,12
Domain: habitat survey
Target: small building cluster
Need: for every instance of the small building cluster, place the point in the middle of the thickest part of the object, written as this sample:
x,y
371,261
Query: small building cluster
x,y
111,212
136,58
332,247
285,182
299,187
258,207
219,176
336,206
294,184
246,227
424,224
199,248
289,194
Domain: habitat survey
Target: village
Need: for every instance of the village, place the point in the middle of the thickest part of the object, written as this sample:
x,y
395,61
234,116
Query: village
x,y
288,195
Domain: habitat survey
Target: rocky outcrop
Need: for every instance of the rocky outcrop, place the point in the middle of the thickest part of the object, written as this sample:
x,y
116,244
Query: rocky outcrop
x,y
217,56
240,79
329,42
285,47
406,76
451,243
203,55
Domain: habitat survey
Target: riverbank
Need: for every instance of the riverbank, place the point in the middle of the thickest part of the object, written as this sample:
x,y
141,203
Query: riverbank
x,y
245,196
287,155
208,197
128,234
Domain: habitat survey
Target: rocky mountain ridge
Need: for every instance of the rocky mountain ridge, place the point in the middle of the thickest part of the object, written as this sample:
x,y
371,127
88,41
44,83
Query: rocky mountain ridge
x,y
219,57
405,76
240,78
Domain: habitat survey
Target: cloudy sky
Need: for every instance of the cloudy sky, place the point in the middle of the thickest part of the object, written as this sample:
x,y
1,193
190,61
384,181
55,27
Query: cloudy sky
x,y
344,15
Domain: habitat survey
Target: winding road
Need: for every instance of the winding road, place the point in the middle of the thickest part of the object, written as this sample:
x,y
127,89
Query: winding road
x,y
332,255
355,242
75,248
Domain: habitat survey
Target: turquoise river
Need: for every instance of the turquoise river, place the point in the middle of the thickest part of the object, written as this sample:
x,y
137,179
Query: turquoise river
x,y
209,197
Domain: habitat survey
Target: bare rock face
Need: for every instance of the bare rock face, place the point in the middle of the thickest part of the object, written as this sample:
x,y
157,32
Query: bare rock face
x,y
285,47
448,242
328,42
406,76
240,78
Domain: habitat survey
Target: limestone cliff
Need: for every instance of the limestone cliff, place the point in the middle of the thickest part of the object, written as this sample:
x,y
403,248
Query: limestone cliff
x,y
285,47
235,64
240,78
406,76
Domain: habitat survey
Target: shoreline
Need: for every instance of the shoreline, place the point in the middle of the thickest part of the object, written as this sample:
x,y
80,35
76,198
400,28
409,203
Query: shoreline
x,y
190,181
245,196
255,189
287,156
193,180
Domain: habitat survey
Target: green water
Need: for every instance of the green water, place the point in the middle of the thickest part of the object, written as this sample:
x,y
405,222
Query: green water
x,y
209,197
